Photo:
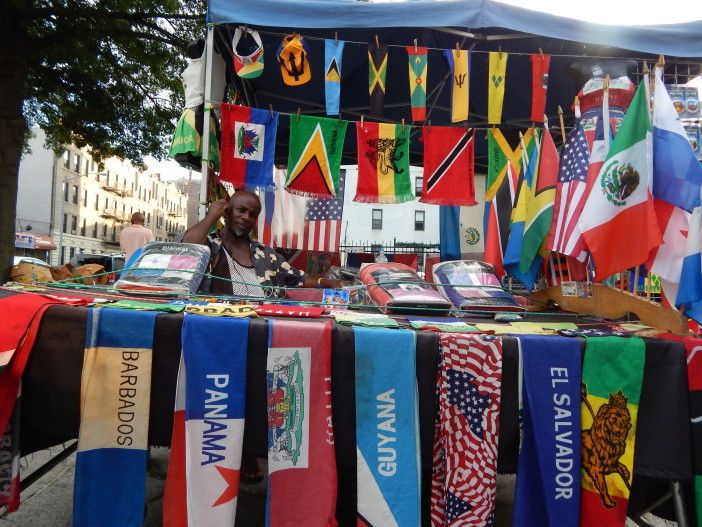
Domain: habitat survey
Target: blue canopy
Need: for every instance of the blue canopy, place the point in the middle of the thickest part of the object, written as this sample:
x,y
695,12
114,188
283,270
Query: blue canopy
x,y
679,40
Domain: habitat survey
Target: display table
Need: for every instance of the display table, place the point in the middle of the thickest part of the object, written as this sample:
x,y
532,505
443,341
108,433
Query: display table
x,y
51,396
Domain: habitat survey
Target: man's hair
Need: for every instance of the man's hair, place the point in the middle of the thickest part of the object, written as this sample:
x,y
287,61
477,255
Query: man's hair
x,y
242,193
138,218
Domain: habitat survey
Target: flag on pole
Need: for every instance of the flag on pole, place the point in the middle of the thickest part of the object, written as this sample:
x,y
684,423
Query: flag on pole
x,y
497,73
539,85
377,73
677,173
459,63
248,146
333,52
383,163
448,166
314,158
620,202
689,294
666,259
418,64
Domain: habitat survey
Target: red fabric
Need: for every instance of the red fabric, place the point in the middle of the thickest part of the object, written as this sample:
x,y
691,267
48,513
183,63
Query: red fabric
x,y
304,295
175,513
448,166
409,260
367,184
277,310
233,169
306,495
539,85
429,264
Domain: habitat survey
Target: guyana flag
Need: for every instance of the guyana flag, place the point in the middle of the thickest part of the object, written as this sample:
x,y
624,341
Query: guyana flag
x,y
612,377
314,158
383,163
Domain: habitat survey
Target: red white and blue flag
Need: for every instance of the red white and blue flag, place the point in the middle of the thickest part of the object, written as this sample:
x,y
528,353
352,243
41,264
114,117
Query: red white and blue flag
x,y
248,147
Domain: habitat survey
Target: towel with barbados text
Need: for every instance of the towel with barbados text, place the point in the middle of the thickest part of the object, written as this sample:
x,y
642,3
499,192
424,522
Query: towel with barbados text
x,y
548,477
115,393
301,464
611,388
387,435
214,356
466,431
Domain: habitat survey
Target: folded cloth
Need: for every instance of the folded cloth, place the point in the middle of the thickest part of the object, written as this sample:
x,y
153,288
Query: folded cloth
x,y
279,310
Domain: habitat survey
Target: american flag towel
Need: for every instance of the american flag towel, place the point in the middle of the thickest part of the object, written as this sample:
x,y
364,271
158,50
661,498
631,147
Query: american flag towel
x,y
209,412
465,440
115,393
387,436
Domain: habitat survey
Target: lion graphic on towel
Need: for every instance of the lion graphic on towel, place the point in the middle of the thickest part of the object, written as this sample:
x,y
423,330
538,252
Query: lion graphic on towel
x,y
605,442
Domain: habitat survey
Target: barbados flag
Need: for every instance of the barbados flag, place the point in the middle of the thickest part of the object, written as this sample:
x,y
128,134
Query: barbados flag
x,y
383,163
248,147
110,482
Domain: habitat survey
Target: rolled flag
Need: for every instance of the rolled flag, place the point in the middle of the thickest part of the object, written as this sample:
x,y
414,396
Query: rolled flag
x,y
418,64
459,63
689,295
377,73
248,147
314,157
448,166
115,394
666,259
383,163
497,74
677,173
333,52
539,85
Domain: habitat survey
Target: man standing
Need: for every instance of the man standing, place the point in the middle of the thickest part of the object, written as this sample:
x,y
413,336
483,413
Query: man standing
x,y
134,236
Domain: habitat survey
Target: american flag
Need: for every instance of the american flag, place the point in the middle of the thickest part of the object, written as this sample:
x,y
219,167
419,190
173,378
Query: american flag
x,y
465,440
294,222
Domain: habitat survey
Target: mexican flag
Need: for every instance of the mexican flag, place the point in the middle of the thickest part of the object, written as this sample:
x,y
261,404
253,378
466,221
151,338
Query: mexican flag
x,y
618,221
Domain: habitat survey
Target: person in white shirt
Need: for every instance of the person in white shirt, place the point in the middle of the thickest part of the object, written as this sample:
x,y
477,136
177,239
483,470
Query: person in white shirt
x,y
134,236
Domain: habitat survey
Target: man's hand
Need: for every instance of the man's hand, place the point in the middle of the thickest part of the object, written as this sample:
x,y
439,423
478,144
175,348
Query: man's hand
x,y
217,209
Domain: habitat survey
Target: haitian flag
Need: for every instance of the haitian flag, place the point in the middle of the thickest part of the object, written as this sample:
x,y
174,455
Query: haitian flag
x,y
612,377
248,147
314,157
689,295
301,461
214,355
383,163
115,394
418,64
448,166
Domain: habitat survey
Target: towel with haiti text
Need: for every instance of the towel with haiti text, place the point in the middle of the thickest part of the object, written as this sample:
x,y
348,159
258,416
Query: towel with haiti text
x,y
110,478
387,437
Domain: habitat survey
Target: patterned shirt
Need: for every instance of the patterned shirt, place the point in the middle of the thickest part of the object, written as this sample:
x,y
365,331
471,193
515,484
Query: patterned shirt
x,y
271,269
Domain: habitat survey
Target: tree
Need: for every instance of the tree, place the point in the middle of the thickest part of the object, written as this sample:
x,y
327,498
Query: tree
x,y
101,73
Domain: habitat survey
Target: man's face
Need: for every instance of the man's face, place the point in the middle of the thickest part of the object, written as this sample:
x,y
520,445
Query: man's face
x,y
242,214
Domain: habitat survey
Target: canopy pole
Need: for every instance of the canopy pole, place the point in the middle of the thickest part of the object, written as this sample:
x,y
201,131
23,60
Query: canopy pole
x,y
209,50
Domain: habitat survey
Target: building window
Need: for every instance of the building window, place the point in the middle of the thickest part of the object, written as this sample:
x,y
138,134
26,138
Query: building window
x,y
74,224
418,182
87,163
92,166
114,233
107,179
377,219
65,191
66,159
75,194
148,219
82,228
97,201
72,253
76,164
104,231
418,220
85,198
65,222
95,227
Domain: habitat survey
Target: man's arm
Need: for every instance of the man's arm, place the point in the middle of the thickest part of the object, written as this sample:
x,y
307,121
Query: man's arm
x,y
198,232
324,283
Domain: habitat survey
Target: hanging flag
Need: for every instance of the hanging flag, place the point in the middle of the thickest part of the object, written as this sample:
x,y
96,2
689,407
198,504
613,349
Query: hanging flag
x,y
496,85
214,355
459,64
448,166
333,52
612,376
383,163
689,294
301,464
449,233
539,85
377,72
248,147
620,201
110,482
295,222
387,428
539,210
314,158
465,434
677,173
418,65
666,259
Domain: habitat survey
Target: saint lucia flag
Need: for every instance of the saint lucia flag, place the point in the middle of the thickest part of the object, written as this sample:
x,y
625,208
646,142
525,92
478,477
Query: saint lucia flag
x,y
110,484
248,147
677,174
387,437
333,52
214,354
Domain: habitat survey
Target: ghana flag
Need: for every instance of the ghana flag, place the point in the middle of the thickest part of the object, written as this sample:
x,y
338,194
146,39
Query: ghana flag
x,y
612,377
314,158
383,163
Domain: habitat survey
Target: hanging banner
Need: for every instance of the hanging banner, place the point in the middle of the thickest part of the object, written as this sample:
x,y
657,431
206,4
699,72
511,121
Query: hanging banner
x,y
496,86
333,51
377,72
448,166
539,85
459,63
418,65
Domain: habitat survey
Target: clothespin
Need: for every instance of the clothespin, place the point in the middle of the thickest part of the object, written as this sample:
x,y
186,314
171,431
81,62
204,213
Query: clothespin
x,y
377,42
458,47
576,107
270,108
336,37
415,45
298,115
499,49
361,120
661,61
541,52
605,86
403,124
